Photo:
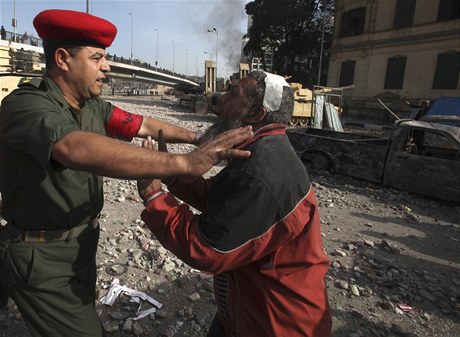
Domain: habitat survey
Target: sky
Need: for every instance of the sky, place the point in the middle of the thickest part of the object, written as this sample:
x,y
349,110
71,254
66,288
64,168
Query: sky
x,y
183,21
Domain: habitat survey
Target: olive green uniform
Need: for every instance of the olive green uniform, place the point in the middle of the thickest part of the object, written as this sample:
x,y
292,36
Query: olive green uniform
x,y
48,247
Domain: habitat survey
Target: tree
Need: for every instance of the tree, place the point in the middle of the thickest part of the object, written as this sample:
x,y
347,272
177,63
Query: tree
x,y
292,31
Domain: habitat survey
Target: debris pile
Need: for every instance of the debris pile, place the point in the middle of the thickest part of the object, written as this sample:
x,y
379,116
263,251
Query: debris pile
x,y
394,270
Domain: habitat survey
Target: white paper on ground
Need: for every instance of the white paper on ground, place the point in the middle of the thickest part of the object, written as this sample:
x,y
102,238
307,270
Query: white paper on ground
x,y
136,296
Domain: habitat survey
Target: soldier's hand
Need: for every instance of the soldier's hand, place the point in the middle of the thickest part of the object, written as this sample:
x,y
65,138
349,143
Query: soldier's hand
x,y
161,142
147,186
204,157
162,147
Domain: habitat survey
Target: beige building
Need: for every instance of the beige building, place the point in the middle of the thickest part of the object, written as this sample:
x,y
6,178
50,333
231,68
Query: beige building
x,y
394,50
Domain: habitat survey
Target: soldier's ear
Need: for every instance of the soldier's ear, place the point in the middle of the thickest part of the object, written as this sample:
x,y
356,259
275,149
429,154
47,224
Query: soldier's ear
x,y
61,57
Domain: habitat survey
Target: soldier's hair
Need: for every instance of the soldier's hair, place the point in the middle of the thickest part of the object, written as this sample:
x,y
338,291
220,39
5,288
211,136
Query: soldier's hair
x,y
256,97
50,49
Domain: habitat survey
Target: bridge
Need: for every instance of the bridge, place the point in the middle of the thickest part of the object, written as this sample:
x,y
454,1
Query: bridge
x,y
125,69
144,74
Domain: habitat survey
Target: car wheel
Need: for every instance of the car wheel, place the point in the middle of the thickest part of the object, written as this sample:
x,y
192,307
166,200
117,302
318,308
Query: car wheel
x,y
319,162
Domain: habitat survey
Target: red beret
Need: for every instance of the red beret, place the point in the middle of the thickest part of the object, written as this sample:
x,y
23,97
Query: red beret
x,y
60,25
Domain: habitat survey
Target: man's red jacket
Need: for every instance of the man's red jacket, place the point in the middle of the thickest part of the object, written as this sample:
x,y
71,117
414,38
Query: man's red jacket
x,y
259,234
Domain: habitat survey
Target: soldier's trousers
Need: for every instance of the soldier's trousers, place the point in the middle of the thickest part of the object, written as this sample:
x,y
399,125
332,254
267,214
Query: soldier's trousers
x,y
53,282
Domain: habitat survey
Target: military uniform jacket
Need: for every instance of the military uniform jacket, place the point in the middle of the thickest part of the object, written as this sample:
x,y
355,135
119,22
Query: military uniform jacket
x,y
39,193
259,234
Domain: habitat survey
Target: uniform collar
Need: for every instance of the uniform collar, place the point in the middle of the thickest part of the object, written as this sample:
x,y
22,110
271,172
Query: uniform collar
x,y
267,130
53,90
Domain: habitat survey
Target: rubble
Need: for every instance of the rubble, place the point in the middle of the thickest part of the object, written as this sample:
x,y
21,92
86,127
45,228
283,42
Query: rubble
x,y
395,270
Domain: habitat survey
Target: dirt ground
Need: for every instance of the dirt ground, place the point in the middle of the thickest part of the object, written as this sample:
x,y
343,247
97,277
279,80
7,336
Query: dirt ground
x,y
395,265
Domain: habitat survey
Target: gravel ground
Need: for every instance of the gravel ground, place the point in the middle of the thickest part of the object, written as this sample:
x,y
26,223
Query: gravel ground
x,y
395,266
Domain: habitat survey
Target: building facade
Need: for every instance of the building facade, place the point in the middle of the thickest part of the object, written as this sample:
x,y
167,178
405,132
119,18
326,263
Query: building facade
x,y
395,51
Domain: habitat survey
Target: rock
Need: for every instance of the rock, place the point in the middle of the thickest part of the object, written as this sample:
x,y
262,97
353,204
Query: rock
x,y
426,295
161,313
341,284
392,248
168,266
111,327
355,290
339,252
194,297
168,332
137,329
387,305
127,327
116,315
369,243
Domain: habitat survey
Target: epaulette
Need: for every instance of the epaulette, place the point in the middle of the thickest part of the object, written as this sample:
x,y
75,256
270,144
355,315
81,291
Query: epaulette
x,y
30,81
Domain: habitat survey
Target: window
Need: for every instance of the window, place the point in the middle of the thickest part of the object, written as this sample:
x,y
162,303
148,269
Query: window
x,y
394,77
404,13
430,144
353,22
447,71
347,72
448,10
440,141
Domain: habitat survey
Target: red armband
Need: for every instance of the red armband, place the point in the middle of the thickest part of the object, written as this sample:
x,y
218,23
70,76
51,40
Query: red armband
x,y
123,124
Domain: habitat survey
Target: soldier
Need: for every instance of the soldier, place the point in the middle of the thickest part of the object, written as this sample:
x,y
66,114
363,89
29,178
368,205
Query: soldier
x,y
55,146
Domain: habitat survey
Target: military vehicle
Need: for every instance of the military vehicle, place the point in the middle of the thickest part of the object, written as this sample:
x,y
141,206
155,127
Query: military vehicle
x,y
318,108
17,63
203,99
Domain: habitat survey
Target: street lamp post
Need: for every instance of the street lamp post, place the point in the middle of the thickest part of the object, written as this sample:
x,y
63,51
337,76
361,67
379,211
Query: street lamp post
x,y
14,22
322,43
196,67
210,54
132,25
214,31
156,58
174,52
186,62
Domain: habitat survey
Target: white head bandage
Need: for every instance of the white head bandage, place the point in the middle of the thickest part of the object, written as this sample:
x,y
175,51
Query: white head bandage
x,y
273,91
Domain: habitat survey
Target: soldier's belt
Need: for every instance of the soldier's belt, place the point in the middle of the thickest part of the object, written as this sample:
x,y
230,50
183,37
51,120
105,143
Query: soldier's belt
x,y
52,235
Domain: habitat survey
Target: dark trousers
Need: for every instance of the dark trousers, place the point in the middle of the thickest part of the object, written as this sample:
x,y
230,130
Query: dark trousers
x,y
3,294
53,282
216,329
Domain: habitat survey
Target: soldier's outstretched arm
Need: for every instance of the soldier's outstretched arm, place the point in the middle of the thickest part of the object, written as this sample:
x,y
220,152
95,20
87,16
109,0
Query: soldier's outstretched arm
x,y
104,156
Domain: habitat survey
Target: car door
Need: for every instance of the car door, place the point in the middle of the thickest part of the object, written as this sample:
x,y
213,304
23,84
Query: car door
x,y
425,162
